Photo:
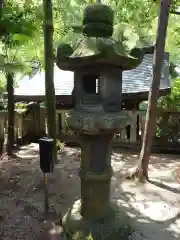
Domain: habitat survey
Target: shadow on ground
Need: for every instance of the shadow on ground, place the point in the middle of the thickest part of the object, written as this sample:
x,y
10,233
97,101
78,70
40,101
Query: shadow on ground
x,y
155,206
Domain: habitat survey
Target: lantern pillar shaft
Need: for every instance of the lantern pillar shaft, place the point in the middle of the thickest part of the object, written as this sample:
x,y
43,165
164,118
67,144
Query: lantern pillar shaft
x,y
95,173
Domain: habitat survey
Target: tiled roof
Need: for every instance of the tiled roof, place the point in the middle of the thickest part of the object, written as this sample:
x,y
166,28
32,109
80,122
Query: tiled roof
x,y
134,81
139,79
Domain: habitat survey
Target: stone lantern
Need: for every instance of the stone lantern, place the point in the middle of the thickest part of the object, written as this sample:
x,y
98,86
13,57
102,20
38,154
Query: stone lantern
x,y
97,63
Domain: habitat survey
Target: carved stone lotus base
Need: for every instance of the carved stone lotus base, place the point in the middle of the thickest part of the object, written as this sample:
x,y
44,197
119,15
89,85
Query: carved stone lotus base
x,y
94,123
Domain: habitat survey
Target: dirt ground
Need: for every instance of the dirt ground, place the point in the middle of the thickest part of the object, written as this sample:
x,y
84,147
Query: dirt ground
x,y
155,206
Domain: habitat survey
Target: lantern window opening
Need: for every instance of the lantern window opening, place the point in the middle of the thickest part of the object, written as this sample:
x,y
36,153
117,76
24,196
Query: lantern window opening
x,y
91,84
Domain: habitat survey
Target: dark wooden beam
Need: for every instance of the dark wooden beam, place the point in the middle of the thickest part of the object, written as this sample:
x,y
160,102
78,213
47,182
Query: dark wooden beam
x,y
65,101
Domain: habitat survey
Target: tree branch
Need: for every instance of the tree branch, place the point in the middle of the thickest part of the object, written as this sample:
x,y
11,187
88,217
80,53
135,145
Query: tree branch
x,y
175,12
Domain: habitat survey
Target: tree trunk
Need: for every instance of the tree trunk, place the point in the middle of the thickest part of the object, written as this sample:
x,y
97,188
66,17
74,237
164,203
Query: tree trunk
x,y
142,171
10,91
49,73
1,7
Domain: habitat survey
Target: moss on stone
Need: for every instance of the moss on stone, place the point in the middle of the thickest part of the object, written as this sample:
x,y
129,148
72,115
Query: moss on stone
x,y
64,51
97,30
116,226
96,51
98,13
96,123
98,21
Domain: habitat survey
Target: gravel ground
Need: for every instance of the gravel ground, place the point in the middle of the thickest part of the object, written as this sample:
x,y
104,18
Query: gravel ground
x,y
155,205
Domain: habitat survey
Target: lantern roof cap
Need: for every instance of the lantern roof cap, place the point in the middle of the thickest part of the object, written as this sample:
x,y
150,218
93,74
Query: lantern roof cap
x,y
93,51
97,47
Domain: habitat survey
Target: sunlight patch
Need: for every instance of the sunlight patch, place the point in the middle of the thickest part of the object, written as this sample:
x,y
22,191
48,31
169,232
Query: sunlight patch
x,y
157,211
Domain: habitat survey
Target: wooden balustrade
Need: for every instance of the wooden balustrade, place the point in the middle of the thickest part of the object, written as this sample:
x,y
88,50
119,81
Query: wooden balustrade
x,y
33,126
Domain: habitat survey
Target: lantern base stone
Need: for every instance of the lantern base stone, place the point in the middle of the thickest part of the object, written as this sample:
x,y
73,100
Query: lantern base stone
x,y
116,226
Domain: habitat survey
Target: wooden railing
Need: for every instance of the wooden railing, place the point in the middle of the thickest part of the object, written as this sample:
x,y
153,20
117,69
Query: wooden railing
x,y
33,125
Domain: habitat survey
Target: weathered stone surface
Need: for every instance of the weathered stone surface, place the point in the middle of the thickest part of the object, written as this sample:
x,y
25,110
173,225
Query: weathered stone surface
x,y
97,51
95,173
116,225
97,123
98,20
97,62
